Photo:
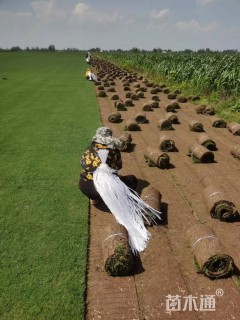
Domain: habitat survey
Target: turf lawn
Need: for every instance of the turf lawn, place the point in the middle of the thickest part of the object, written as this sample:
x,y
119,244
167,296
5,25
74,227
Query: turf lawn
x,y
48,114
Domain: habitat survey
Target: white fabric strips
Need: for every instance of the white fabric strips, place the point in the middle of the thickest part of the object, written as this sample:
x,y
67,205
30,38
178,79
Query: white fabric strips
x,y
125,204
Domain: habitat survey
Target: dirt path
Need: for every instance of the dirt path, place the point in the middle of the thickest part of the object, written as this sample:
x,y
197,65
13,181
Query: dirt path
x,y
166,267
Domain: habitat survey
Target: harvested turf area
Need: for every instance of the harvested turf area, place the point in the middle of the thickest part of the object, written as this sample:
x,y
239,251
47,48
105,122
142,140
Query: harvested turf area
x,y
165,283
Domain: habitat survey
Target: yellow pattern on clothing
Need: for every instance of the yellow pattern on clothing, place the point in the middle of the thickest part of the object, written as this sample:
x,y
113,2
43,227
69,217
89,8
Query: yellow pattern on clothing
x,y
90,160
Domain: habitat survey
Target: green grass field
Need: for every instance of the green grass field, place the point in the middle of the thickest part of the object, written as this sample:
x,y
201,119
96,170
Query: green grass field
x,y
49,113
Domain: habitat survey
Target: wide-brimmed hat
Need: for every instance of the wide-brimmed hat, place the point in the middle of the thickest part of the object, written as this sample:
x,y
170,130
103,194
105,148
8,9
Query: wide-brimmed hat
x,y
103,135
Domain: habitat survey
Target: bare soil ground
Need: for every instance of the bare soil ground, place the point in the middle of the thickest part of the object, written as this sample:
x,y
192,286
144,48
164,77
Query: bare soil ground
x,y
166,267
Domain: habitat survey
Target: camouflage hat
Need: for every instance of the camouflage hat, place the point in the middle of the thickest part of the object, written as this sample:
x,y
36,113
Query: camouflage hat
x,y
103,135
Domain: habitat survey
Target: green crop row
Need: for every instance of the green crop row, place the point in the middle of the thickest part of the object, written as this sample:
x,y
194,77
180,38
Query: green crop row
x,y
205,72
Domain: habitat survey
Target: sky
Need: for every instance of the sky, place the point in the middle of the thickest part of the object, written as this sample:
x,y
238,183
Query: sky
x,y
121,24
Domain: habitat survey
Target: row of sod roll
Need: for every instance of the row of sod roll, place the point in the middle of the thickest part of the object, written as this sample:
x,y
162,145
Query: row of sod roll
x,y
136,105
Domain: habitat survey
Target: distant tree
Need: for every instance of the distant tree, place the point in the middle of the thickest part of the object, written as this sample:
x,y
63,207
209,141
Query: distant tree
x,y
16,48
51,47
157,50
95,49
135,49
230,51
187,51
71,49
207,50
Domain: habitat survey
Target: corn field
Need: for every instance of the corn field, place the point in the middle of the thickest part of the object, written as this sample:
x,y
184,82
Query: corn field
x,y
205,72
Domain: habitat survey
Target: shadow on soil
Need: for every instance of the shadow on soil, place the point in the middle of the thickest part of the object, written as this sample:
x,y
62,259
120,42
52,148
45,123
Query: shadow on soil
x,y
102,206
131,147
164,215
141,184
170,166
138,267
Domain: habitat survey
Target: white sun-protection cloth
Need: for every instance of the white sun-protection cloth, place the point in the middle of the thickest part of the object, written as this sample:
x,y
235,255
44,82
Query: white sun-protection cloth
x,y
125,204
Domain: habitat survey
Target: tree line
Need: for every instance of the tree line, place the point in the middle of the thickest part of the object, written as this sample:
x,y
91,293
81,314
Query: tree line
x,y
52,48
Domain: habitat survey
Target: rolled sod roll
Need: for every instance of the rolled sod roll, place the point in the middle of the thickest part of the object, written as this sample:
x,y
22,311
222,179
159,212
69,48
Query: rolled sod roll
x,y
157,89
207,142
155,97
175,104
166,91
154,104
115,97
152,197
171,96
102,94
131,125
143,89
126,83
235,151
195,98
172,117
219,206
169,108
218,123
200,108
162,85
126,139
182,99
137,90
120,106
155,158
210,257
200,154
149,84
209,110
140,94
153,91
195,126
164,124
234,128
128,103
111,89
114,117
117,256
141,117
166,144
147,107
128,94
134,96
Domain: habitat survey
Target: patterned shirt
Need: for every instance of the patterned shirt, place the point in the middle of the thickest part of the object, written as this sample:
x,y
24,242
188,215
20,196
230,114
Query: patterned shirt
x,y
90,160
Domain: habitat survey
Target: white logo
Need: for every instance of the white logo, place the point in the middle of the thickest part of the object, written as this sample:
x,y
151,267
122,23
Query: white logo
x,y
205,302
